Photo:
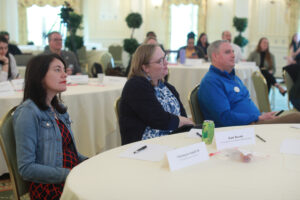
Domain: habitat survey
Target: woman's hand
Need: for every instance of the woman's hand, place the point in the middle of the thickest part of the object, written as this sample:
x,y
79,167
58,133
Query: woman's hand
x,y
184,121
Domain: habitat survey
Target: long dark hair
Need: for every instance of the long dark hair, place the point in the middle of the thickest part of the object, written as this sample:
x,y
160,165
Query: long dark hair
x,y
293,43
36,71
4,40
199,40
268,55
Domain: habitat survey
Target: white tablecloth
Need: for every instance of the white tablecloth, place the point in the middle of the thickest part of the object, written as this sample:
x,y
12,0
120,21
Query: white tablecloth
x,y
91,108
108,176
186,78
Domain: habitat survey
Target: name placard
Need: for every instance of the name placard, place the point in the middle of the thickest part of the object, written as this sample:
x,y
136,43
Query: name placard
x,y
187,156
6,89
234,138
78,79
193,62
18,84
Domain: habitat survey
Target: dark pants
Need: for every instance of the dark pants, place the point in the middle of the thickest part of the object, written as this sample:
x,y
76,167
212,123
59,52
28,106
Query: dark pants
x,y
269,78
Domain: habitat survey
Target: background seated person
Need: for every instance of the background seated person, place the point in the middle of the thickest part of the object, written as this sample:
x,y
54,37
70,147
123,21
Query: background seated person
x,y
294,94
152,34
150,40
8,66
266,62
203,44
294,50
149,107
191,51
45,146
223,97
12,48
226,35
55,46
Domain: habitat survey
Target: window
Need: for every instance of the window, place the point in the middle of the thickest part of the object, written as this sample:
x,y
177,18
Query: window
x,y
48,20
184,19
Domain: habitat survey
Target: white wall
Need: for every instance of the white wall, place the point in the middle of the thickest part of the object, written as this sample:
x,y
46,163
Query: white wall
x,y
264,20
104,22
9,18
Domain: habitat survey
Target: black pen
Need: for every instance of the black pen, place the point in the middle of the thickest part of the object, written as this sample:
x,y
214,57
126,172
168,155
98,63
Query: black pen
x,y
140,149
260,138
199,134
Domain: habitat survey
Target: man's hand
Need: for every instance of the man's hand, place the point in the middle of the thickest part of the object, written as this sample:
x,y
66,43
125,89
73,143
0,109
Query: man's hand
x,y
267,116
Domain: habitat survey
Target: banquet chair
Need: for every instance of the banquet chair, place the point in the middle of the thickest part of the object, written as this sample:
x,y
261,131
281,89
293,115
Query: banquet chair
x,y
106,60
23,59
197,115
261,89
117,108
289,84
116,52
8,145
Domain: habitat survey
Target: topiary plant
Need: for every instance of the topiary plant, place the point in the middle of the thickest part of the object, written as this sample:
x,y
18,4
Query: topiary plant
x,y
133,20
73,41
130,45
72,21
240,24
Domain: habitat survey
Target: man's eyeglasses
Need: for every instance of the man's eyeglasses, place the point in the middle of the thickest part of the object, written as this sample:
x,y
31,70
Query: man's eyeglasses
x,y
161,61
57,40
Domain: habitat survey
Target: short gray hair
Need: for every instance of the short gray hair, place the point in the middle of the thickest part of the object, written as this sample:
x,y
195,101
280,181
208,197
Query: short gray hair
x,y
51,33
214,47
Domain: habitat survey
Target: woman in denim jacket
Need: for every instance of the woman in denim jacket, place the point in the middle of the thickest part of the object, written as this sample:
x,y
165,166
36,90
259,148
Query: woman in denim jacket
x,y
46,150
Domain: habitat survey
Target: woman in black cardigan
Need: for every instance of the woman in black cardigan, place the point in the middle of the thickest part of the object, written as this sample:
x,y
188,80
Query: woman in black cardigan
x,y
149,107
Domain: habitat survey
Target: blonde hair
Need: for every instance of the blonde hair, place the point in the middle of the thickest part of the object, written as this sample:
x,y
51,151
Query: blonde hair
x,y
141,57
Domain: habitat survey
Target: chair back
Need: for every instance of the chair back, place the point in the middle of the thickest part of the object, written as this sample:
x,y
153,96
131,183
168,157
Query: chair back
x,y
106,60
117,108
261,89
197,115
23,59
116,52
288,80
8,145
289,84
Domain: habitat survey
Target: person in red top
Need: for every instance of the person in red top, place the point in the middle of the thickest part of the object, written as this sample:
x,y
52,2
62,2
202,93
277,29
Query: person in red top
x,y
45,146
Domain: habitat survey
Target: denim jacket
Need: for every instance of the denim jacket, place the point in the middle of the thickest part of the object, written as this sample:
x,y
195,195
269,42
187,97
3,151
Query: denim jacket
x,y
39,144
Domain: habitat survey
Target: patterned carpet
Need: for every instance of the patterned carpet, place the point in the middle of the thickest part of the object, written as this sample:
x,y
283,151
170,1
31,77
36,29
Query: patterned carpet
x,y
6,189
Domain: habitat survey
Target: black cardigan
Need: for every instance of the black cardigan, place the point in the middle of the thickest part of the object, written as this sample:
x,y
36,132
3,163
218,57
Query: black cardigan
x,y
140,108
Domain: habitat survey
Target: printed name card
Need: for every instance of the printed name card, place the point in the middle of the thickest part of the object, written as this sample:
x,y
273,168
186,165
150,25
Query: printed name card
x,y
234,138
18,84
114,80
6,89
78,79
193,62
187,156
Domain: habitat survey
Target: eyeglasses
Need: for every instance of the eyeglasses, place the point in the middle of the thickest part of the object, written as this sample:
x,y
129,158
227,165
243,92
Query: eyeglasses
x,y
57,40
161,61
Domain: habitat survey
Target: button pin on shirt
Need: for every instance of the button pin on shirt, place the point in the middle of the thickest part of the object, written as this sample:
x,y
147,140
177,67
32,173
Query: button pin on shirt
x,y
47,124
236,89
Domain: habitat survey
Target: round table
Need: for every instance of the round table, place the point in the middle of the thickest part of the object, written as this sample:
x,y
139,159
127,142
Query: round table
x,y
108,176
186,78
91,108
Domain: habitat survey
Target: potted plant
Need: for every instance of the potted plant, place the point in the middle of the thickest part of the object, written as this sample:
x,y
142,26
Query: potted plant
x,y
240,24
73,22
133,20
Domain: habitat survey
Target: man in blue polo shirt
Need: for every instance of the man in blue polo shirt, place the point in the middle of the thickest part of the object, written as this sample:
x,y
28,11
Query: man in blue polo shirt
x,y
223,97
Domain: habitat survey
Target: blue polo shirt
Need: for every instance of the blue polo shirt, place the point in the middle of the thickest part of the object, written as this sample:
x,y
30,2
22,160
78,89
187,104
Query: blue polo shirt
x,y
224,99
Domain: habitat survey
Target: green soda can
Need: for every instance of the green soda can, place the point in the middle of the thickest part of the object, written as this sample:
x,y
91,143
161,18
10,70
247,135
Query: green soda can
x,y
208,129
